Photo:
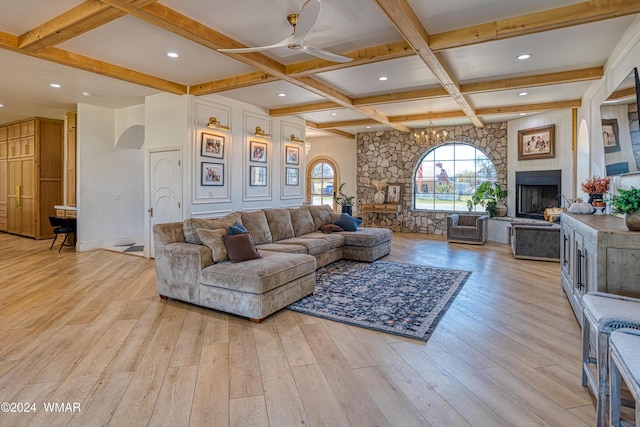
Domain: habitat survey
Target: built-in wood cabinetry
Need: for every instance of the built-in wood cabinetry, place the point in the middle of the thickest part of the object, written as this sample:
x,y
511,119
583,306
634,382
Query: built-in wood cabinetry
x,y
70,165
31,175
598,253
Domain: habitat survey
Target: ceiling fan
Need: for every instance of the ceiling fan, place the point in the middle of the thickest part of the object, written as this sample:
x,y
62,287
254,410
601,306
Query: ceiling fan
x,y
302,24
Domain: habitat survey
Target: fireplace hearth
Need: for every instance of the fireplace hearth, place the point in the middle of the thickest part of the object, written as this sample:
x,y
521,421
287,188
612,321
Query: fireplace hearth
x,y
536,191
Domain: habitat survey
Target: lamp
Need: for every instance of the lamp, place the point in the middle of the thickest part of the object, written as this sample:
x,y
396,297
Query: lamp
x,y
429,135
215,124
261,133
294,139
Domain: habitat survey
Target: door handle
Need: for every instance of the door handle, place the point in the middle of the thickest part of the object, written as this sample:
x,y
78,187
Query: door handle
x,y
18,200
150,210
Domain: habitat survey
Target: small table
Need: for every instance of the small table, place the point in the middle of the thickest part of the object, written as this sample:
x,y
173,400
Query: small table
x,y
386,208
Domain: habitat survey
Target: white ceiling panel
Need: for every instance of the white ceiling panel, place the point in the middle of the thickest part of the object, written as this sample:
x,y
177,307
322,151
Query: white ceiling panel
x,y
402,73
18,17
560,50
338,115
137,45
536,95
431,105
266,95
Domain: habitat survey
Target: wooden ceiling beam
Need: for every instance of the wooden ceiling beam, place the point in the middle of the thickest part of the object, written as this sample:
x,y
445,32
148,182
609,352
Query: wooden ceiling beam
x,y
346,123
235,82
546,20
525,108
337,132
412,95
405,20
170,20
306,108
368,55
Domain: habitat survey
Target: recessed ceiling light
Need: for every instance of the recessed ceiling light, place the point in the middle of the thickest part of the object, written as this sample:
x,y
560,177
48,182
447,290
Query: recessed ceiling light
x,y
56,85
523,114
172,55
86,94
524,56
383,78
1,105
334,114
282,94
523,94
368,127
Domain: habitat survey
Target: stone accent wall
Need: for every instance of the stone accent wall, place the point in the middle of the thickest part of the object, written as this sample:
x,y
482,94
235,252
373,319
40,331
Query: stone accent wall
x,y
394,155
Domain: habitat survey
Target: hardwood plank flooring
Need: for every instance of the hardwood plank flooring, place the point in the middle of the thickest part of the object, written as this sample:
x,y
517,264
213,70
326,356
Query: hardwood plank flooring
x,y
89,329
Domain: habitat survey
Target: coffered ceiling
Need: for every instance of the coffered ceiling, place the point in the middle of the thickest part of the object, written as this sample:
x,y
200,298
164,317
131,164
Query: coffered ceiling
x,y
449,61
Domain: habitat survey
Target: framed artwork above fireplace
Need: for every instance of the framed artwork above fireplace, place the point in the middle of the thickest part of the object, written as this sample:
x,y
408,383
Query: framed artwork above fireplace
x,y
536,143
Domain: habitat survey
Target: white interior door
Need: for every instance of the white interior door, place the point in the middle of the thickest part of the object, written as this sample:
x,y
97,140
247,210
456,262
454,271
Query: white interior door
x,y
165,182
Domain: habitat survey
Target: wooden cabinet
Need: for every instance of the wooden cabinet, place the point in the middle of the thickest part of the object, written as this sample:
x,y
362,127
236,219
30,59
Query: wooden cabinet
x,y
70,164
598,253
32,182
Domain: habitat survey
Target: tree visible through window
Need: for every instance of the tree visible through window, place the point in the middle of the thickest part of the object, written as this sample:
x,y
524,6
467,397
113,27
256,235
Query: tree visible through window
x,y
322,182
448,175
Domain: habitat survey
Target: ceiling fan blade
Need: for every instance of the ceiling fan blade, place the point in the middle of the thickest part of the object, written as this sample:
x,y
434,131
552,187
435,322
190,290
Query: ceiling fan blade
x,y
324,54
306,20
282,43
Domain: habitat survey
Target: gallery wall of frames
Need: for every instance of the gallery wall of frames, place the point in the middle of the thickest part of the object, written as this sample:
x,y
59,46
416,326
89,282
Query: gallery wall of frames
x,y
243,159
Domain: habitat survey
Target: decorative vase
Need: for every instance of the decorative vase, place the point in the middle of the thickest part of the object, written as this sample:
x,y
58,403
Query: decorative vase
x,y
378,198
632,221
594,196
347,209
501,209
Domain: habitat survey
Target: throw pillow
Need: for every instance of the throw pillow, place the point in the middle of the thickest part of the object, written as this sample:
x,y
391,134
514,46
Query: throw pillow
x,y
192,224
240,247
330,228
236,228
279,224
256,223
347,222
214,240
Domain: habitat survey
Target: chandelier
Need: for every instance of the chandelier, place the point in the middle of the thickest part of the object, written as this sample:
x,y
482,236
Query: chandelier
x,y
429,135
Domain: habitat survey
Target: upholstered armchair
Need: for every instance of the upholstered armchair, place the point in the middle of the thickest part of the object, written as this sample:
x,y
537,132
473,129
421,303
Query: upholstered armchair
x,y
467,228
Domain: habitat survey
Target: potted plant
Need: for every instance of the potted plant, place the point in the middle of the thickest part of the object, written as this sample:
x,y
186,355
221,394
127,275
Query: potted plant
x,y
343,200
489,195
628,203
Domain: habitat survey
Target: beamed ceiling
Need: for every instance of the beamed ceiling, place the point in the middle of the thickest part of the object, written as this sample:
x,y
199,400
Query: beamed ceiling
x,y
449,61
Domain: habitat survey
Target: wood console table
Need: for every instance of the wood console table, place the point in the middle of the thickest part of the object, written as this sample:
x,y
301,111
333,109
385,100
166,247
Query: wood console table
x,y
374,210
598,253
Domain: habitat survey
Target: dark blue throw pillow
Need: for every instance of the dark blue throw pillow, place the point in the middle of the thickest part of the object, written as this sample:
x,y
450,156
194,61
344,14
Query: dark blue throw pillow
x,y
347,222
236,228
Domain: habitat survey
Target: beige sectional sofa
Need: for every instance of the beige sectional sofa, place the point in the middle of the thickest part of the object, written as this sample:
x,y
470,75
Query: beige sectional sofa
x,y
289,243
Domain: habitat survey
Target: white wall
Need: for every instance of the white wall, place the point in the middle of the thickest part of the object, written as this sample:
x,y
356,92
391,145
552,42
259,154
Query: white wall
x,y
563,157
110,183
622,60
343,152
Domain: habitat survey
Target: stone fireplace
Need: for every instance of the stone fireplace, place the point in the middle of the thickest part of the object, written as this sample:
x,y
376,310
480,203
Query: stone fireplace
x,y
536,191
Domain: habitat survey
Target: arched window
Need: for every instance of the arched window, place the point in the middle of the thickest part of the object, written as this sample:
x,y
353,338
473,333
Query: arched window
x,y
448,175
322,179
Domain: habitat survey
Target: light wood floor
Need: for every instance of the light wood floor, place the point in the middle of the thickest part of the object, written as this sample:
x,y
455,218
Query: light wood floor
x,y
89,328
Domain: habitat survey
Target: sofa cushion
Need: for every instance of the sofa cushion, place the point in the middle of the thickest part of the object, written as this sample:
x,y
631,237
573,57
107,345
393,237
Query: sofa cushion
x,y
367,237
335,240
240,247
256,223
190,225
215,241
278,247
279,221
236,228
302,221
347,222
321,215
259,275
330,228
313,246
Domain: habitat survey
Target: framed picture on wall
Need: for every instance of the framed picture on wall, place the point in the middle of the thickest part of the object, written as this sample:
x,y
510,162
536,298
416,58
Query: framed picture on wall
x,y
258,176
258,151
536,143
212,174
394,194
292,155
291,176
610,135
212,145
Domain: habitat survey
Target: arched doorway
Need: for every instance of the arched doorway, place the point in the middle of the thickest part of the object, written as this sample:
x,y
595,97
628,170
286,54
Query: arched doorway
x,y
322,178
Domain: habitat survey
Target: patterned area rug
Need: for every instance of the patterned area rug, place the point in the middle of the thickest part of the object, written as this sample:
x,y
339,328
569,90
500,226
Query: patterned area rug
x,y
401,299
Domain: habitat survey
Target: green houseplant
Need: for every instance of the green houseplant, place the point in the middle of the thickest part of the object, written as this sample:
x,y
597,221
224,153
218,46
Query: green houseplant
x,y
343,200
627,202
488,195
